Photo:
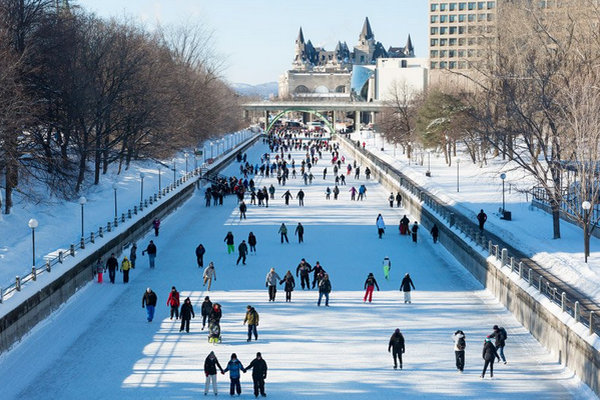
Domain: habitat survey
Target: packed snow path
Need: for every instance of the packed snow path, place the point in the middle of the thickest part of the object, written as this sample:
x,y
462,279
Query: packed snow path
x,y
99,345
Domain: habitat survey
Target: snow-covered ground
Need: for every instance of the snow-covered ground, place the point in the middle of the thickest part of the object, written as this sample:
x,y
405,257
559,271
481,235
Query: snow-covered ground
x,y
481,188
99,345
60,220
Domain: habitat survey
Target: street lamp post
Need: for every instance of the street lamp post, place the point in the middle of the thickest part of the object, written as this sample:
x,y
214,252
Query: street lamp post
x,y
33,223
174,171
114,186
458,175
186,162
586,205
141,188
82,201
503,177
428,173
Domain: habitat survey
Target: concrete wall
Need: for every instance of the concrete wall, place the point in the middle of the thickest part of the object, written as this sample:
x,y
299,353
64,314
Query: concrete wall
x,y
17,323
554,333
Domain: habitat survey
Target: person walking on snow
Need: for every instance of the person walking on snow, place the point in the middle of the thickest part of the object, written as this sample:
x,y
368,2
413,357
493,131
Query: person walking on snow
x,y
336,192
304,269
156,226
252,320
209,275
318,273
210,370
230,242
133,255
287,196
300,197
300,232
404,222
243,251
283,232
481,218
186,314
243,209
200,250
99,270
328,193
290,283
271,282
380,225
173,302
112,264
252,242
398,199
500,337
151,250
125,268
396,347
391,200
352,193
149,303
234,366
414,230
370,284
387,266
405,287
205,310
324,290
460,345
489,355
435,233
272,193
259,374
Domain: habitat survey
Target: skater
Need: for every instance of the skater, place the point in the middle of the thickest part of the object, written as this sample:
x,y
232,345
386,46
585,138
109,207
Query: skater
x,y
243,209
489,355
149,303
387,266
242,252
209,275
272,193
151,250
259,374
327,193
230,242
405,287
396,347
112,264
99,270
290,283
500,336
324,290
304,269
324,173
214,329
271,282
205,310
481,218
287,196
435,233
352,193
210,370
234,366
336,192
398,199
186,314
370,284
300,232
133,255
300,197
318,273
173,302
283,232
252,242
200,250
156,226
404,222
252,320
362,192
460,345
380,225
391,200
125,267
368,173
414,230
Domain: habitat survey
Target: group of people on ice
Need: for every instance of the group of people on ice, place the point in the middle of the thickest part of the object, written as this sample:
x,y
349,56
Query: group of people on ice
x,y
234,367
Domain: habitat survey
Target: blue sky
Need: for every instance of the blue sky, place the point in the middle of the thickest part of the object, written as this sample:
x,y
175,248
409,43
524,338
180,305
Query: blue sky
x,y
256,37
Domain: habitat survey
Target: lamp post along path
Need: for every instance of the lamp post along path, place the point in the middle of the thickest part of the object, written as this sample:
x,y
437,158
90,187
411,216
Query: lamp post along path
x,y
33,223
586,205
82,201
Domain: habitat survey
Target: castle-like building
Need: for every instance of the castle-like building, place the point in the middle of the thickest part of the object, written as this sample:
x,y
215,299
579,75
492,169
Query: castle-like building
x,y
317,72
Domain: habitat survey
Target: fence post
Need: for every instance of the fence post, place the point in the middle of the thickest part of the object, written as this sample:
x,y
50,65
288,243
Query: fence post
x,y
146,203
72,250
116,222
92,238
48,266
82,243
123,218
18,283
504,257
60,257
576,312
101,232
108,227
563,298
33,273
591,322
135,210
491,247
512,264
1,295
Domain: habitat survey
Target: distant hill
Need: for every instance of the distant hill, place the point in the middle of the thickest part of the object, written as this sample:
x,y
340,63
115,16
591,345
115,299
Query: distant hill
x,y
263,90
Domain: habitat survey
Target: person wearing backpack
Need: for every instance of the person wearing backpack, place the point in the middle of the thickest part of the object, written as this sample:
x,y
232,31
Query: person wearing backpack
x,y
397,345
369,285
500,337
459,349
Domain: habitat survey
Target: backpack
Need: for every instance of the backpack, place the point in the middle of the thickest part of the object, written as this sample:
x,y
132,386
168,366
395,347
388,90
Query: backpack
x,y
503,333
461,344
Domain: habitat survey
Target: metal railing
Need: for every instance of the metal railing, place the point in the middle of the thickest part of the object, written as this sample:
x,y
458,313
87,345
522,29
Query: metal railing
x,y
568,298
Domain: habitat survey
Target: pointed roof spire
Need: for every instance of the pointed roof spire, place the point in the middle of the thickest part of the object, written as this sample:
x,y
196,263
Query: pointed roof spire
x,y
409,46
366,32
300,38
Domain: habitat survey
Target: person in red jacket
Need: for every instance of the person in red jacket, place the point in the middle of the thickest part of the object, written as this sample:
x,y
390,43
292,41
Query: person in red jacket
x,y
370,284
173,302
156,226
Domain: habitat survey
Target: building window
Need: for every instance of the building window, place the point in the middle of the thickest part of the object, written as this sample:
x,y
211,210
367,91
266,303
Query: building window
x,y
443,53
443,30
461,53
452,18
452,30
434,42
490,17
443,18
472,17
443,64
452,53
480,5
481,17
433,6
462,6
491,5
452,42
452,65
433,65
434,18
461,30
452,6
434,30
442,6
471,5
443,42
462,65
433,53
461,18
461,41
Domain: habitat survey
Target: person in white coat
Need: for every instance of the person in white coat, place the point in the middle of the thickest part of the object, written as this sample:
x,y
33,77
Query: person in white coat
x,y
209,275
271,282
459,349
380,225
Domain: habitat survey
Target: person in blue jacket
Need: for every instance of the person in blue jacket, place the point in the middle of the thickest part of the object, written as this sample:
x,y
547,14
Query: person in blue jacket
x,y
234,366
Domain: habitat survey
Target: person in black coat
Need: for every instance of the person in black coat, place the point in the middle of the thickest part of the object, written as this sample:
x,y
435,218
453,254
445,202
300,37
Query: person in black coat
x,y
112,264
414,229
252,242
396,347
290,283
435,233
243,209
398,199
489,355
259,374
149,303
205,310
370,284
210,370
318,272
481,218
300,232
186,314
242,252
405,287
304,269
500,336
200,250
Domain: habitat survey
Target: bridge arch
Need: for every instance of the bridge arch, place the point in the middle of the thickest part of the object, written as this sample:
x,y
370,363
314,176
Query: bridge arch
x,y
313,112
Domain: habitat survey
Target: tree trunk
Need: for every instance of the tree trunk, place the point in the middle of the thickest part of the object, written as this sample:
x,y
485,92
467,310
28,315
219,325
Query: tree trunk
x,y
555,207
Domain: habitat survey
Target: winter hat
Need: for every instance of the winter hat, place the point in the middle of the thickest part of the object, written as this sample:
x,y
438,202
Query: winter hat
x,y
207,298
148,290
258,354
233,355
495,327
211,354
